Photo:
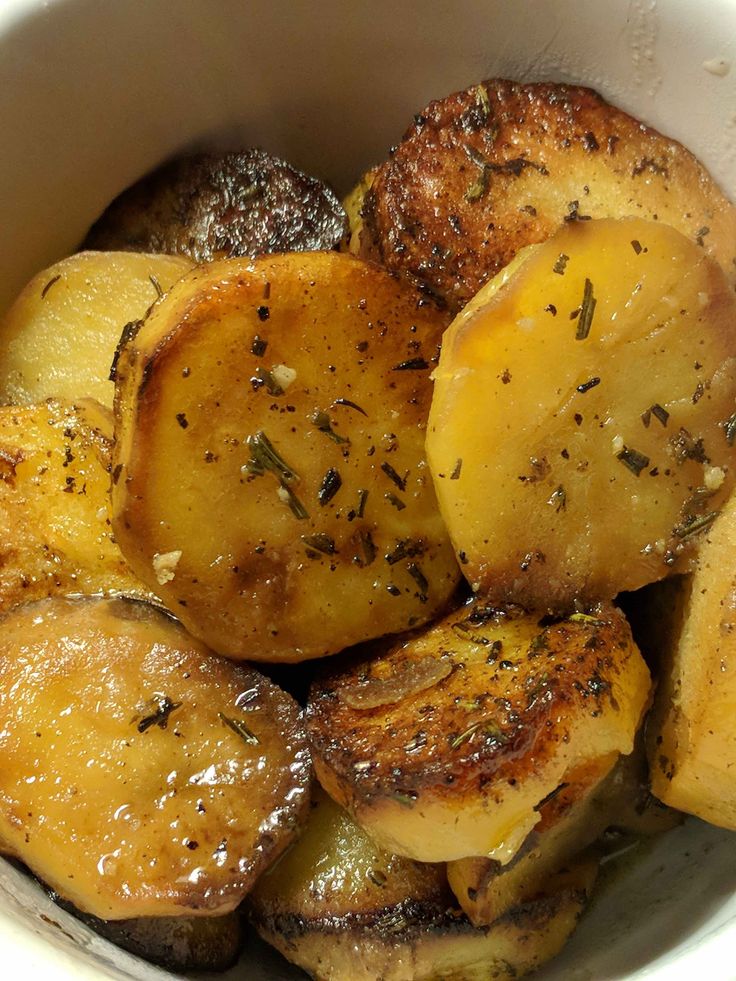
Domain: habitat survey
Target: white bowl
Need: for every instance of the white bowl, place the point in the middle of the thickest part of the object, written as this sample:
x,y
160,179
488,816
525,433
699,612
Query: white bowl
x,y
93,94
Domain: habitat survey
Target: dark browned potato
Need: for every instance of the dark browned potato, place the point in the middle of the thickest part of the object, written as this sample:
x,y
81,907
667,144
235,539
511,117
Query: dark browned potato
x,y
346,910
443,746
484,172
142,776
176,943
215,206
270,479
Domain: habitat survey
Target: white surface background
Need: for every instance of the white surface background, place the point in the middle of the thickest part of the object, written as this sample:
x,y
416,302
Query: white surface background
x,y
94,93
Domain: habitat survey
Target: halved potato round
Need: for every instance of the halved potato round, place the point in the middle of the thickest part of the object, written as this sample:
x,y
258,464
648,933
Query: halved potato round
x,y
691,733
484,172
444,746
270,478
59,337
345,910
581,436
142,775
55,527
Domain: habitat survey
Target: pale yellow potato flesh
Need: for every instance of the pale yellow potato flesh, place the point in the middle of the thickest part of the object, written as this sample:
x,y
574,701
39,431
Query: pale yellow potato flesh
x,y
59,337
692,737
353,205
581,434
142,775
443,746
343,909
55,515
269,478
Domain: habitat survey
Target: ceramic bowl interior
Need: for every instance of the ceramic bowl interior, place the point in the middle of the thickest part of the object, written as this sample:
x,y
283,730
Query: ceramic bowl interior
x,y
92,95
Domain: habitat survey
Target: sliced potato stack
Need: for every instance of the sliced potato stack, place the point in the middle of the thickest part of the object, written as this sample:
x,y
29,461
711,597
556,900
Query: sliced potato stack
x,y
582,435
270,480
345,910
692,739
445,746
142,775
55,528
483,173
59,337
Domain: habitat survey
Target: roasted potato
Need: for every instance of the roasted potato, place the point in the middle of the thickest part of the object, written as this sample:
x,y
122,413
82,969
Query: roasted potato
x,y
692,739
443,746
353,205
142,776
269,479
59,337
485,172
344,910
216,206
55,528
569,821
580,435
176,943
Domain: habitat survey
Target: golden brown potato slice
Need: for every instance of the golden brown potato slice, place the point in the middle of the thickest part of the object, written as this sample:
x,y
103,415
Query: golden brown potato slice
x,y
485,172
142,775
215,206
692,738
581,432
55,528
60,335
270,479
443,746
345,910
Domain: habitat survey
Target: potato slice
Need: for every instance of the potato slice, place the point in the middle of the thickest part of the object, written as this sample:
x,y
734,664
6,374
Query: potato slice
x,y
572,819
444,746
344,910
692,740
482,173
353,205
177,943
60,335
215,206
269,477
580,434
55,528
142,775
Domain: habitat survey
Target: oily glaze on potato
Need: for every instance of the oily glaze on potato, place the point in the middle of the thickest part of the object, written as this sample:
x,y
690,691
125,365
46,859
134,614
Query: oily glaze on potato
x,y
692,740
142,775
345,910
443,746
270,480
216,206
579,436
59,337
485,172
55,527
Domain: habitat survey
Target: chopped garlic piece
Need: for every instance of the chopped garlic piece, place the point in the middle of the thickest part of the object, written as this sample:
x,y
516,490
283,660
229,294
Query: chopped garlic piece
x,y
713,478
283,375
164,565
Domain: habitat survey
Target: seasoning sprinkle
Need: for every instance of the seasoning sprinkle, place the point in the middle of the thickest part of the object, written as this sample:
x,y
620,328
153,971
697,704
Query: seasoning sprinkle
x,y
658,412
455,475
560,264
693,526
240,729
392,475
362,498
586,386
324,424
587,309
419,578
160,715
320,543
47,287
558,499
258,346
413,364
368,548
396,501
633,459
331,484
350,405
265,458
729,428
264,377
157,286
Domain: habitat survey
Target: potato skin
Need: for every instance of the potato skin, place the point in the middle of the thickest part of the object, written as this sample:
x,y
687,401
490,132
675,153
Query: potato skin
x,y
55,516
142,775
691,740
346,543
590,454
60,336
216,206
345,910
484,172
443,746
